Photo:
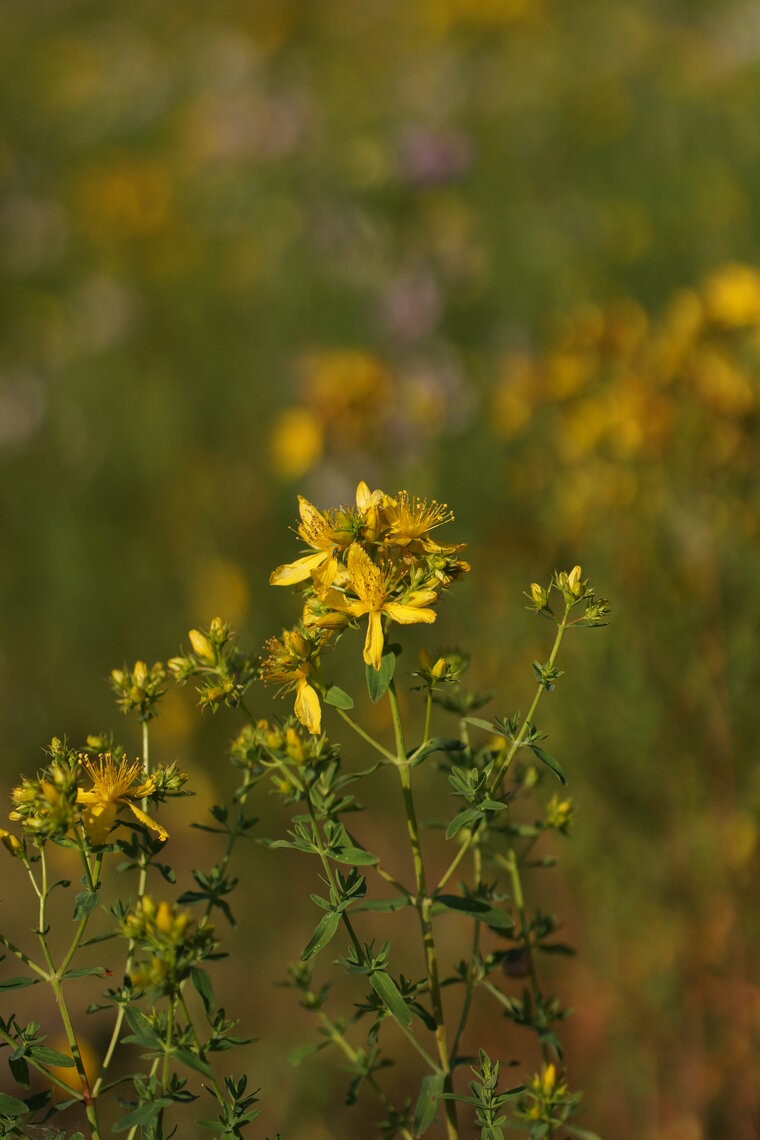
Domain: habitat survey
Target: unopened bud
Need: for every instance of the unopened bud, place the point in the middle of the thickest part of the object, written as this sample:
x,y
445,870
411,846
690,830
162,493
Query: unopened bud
x,y
539,596
201,645
140,673
11,842
549,1079
439,668
574,581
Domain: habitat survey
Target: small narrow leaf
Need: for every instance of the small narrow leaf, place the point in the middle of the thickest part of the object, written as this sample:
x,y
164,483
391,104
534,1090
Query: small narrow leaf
x,y
17,983
193,1061
486,725
47,1056
469,815
378,680
202,983
142,1115
385,987
335,696
87,972
550,762
324,933
436,744
354,856
427,1103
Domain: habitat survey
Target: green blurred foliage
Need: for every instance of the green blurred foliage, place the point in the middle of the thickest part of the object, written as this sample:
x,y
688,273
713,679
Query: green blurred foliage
x,y
494,250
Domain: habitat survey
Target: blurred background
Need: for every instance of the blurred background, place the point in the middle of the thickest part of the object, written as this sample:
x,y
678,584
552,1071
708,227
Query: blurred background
x,y
501,252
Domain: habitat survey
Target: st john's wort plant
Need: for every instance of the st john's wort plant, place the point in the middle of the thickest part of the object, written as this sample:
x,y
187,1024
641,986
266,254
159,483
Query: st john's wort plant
x,y
372,567
99,807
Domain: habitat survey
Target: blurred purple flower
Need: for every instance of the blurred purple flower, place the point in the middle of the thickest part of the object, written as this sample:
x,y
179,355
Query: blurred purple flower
x,y
432,157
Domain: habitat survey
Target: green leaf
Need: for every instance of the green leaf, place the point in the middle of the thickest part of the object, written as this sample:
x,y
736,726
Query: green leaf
x,y
47,1056
12,1106
382,905
581,1133
550,762
378,680
486,725
324,933
17,983
19,1069
192,1061
385,987
469,815
335,696
437,744
427,1103
142,1115
202,983
477,908
354,856
84,903
86,972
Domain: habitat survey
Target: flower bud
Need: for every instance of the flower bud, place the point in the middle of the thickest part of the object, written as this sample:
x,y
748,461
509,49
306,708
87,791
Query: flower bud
x,y
11,842
574,581
539,596
202,647
140,674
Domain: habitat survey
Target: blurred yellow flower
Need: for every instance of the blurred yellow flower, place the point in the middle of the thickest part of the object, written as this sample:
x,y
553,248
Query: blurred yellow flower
x,y
296,444
732,295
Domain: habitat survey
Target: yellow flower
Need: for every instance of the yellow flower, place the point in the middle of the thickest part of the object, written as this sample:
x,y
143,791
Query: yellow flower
x,y
290,663
411,520
374,589
316,530
114,786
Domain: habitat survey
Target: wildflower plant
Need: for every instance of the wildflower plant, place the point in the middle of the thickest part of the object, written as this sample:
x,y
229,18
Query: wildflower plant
x,y
371,567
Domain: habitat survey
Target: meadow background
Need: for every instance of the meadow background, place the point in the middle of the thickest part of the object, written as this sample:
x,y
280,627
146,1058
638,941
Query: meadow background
x,y
501,252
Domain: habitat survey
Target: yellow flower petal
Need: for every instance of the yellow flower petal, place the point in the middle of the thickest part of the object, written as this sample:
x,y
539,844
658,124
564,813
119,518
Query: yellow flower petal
x,y
408,615
143,817
98,821
373,645
366,578
297,571
307,707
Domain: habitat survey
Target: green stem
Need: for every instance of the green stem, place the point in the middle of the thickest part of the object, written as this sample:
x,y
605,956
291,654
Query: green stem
x,y
513,868
502,769
474,953
201,1052
168,1046
94,880
72,1092
87,1097
132,945
24,957
330,877
55,984
366,736
234,834
348,1050
428,714
424,903
153,1070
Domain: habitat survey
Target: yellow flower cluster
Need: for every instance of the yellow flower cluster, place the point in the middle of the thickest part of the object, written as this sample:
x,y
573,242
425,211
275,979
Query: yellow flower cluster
x,y
175,942
55,806
617,393
377,560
